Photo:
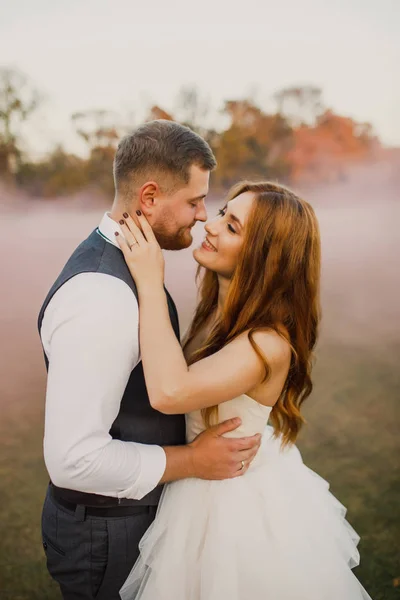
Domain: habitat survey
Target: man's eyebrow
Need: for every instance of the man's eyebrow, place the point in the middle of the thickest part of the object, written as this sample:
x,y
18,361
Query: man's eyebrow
x,y
198,198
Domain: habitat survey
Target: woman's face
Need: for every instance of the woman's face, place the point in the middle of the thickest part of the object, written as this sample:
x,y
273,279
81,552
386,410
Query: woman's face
x,y
224,239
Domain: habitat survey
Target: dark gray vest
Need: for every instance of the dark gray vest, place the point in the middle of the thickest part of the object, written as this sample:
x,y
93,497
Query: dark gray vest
x,y
137,421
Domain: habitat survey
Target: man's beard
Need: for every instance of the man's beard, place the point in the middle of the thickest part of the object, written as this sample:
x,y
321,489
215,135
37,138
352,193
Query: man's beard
x,y
179,241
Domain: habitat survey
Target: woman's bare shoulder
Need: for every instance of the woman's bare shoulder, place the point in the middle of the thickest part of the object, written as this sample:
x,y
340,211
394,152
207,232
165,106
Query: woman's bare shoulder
x,y
274,345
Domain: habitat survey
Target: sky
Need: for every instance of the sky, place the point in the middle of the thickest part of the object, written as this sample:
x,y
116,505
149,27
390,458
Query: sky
x,y
125,55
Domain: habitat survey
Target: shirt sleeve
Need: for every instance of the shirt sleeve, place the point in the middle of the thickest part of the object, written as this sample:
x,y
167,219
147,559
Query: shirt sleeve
x,y
90,333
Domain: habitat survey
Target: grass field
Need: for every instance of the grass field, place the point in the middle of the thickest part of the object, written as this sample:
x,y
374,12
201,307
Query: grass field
x,y
351,440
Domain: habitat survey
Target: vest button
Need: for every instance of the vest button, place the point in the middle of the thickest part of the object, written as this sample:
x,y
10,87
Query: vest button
x,y
45,545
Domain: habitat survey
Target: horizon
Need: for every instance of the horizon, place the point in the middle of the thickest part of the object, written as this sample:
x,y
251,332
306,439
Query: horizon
x,y
349,50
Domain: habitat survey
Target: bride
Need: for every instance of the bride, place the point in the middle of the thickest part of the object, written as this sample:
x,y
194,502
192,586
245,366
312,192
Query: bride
x,y
277,532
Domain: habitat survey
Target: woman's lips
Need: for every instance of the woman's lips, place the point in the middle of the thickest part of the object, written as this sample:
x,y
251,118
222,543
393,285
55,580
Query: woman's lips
x,y
208,246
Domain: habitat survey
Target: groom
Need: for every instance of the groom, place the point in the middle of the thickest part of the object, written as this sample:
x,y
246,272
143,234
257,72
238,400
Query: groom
x,y
107,451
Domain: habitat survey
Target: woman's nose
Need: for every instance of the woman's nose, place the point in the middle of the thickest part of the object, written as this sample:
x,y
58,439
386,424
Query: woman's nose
x,y
211,227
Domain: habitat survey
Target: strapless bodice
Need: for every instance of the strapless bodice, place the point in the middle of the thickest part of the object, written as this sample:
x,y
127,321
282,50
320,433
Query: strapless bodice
x,y
254,417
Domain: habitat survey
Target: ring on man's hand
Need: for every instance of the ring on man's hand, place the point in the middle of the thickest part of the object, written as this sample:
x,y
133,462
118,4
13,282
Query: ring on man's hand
x,y
242,467
133,243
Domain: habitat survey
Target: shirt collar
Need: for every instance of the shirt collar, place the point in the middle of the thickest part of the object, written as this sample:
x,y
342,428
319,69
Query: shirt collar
x,y
107,229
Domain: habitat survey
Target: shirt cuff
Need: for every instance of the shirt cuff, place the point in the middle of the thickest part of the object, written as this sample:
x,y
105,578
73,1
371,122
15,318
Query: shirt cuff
x,y
153,461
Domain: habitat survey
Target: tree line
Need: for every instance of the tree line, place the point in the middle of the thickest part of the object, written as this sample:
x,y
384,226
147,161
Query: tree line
x,y
300,141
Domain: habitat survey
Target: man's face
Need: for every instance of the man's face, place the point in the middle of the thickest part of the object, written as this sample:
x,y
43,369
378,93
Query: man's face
x,y
174,215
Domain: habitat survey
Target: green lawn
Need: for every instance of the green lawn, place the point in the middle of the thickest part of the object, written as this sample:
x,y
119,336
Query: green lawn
x,y
351,440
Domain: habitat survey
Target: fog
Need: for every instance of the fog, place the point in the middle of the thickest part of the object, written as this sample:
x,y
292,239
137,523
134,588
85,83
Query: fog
x,y
359,220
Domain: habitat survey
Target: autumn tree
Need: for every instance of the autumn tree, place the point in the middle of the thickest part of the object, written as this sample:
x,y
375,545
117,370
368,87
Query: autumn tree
x,y
100,130
18,100
157,113
300,105
59,173
191,108
195,111
324,152
255,145
97,128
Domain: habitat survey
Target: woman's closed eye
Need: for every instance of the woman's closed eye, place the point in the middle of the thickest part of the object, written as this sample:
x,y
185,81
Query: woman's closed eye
x,y
222,213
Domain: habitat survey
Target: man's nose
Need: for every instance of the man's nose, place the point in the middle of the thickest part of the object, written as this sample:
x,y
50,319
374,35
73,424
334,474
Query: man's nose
x,y
201,213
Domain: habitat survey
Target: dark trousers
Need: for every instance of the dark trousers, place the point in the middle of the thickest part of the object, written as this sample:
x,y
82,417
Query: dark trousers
x,y
91,557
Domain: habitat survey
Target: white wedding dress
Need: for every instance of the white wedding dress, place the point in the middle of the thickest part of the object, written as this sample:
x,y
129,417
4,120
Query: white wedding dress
x,y
276,533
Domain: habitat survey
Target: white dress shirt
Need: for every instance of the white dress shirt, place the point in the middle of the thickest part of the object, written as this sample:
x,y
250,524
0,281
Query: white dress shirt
x,y
90,334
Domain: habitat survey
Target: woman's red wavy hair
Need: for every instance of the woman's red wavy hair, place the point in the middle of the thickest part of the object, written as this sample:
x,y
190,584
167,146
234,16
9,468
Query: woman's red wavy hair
x,y
276,283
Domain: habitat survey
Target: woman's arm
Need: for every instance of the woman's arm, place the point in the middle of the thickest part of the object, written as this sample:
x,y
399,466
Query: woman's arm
x,y
173,387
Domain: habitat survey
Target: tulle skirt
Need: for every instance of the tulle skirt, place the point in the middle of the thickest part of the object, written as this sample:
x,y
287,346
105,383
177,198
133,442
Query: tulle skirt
x,y
276,533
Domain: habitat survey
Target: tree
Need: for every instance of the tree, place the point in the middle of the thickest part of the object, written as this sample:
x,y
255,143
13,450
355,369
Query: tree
x,y
58,174
101,130
18,100
194,110
324,152
300,104
159,113
191,108
98,128
254,146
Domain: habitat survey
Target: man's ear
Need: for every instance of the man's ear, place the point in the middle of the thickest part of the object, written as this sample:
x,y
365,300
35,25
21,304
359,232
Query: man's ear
x,y
147,196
